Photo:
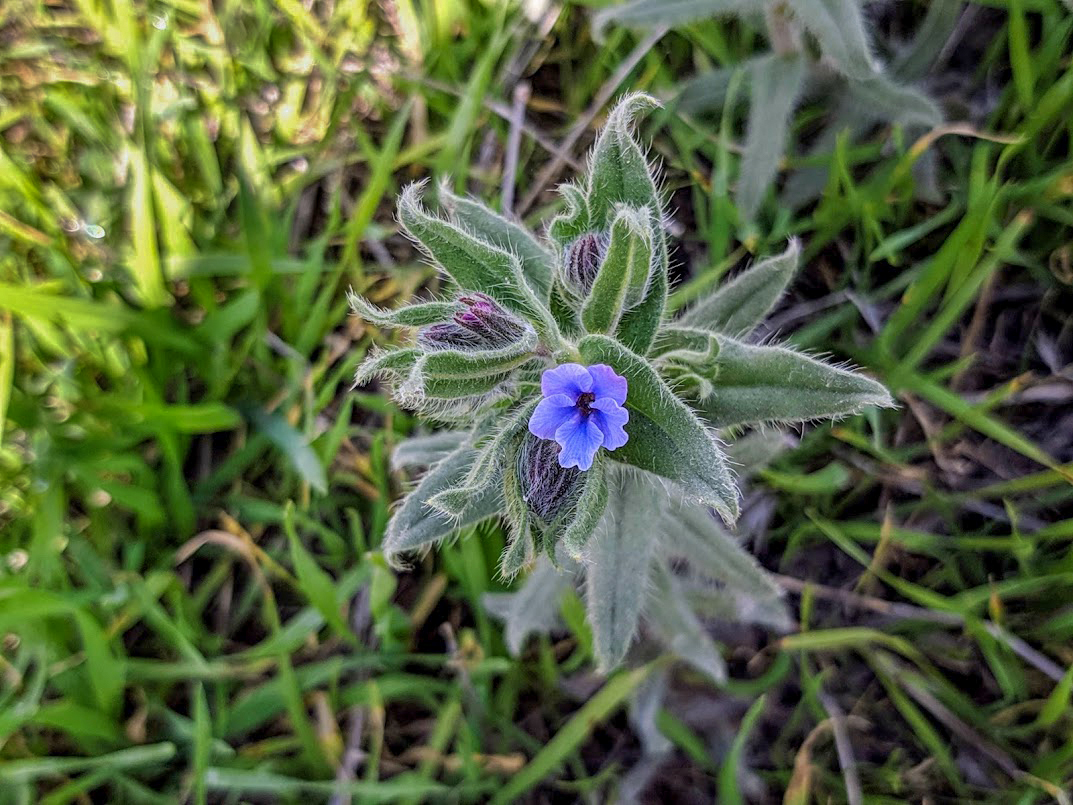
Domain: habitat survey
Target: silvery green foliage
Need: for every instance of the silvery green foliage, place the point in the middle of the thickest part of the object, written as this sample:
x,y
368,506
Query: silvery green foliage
x,y
843,66
594,292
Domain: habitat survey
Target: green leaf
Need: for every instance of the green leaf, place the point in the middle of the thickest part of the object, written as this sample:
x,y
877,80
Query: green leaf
x,y
775,86
519,552
707,91
576,530
418,315
679,629
838,26
206,417
623,276
534,608
415,526
460,363
488,466
316,585
754,451
572,735
896,103
145,261
638,327
617,565
293,445
738,306
687,343
472,263
521,542
620,175
646,704
665,437
7,367
672,13
538,263
729,790
424,451
21,608
619,172
691,532
574,220
758,384
386,363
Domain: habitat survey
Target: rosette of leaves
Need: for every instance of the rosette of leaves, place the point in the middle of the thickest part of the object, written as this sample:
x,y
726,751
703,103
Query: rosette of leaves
x,y
698,575
593,292
818,48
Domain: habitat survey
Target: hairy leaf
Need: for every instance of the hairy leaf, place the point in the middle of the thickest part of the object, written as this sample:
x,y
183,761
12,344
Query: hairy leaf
x,y
389,362
759,384
638,327
741,304
619,172
752,452
691,532
487,467
707,91
650,13
574,220
888,100
624,273
590,508
424,451
534,608
677,627
776,84
721,602
460,363
645,705
665,437
416,526
418,315
913,61
617,565
518,553
538,263
838,26
420,391
472,263
521,543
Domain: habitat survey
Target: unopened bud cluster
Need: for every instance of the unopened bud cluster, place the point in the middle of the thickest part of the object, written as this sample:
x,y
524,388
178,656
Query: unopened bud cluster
x,y
582,261
482,324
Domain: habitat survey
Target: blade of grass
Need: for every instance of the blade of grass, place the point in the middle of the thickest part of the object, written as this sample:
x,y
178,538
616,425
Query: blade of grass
x,y
555,752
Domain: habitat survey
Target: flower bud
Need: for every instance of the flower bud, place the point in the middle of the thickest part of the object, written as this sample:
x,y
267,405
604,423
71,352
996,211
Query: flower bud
x,y
448,335
481,324
485,318
547,488
582,262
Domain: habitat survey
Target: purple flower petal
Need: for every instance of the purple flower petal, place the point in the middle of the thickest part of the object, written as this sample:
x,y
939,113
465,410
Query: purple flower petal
x,y
550,413
610,418
570,378
607,383
580,439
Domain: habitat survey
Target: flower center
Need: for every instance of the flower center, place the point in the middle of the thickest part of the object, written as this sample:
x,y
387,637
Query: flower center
x,y
584,400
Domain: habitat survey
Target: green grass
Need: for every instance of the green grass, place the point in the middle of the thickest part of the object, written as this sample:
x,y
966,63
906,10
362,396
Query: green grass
x,y
191,496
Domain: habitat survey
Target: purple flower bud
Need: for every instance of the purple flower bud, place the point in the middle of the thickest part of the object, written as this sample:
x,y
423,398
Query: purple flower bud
x,y
547,487
482,324
582,262
486,318
448,335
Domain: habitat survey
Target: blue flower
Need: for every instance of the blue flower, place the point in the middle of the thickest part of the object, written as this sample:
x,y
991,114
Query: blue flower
x,y
582,411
